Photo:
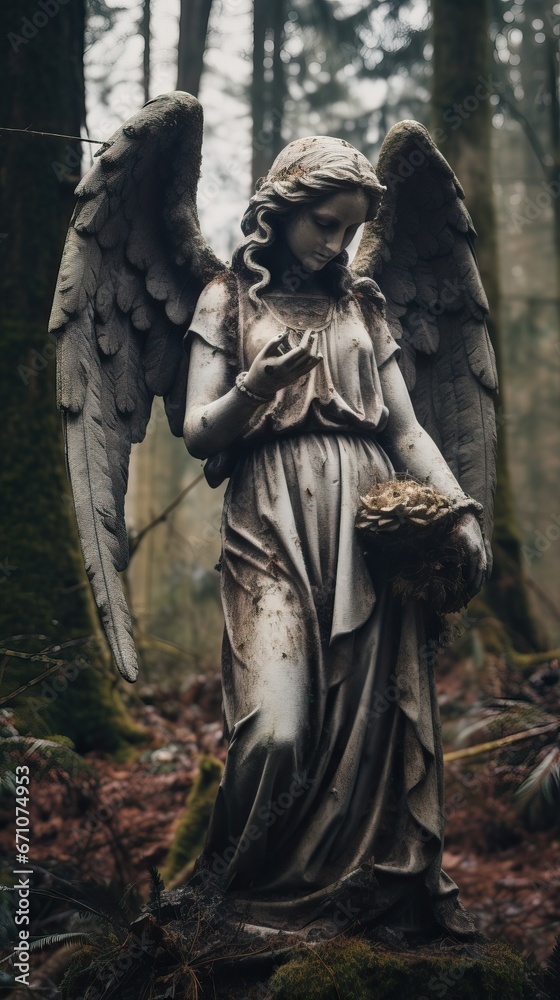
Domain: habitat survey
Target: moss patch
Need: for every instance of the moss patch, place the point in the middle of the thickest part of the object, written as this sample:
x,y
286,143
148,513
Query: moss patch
x,y
352,969
191,830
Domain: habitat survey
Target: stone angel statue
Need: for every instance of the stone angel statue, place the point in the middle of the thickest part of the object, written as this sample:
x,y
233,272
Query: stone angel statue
x,y
304,381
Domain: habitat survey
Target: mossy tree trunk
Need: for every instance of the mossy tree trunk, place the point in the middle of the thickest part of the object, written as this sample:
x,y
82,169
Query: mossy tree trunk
x,y
462,115
44,595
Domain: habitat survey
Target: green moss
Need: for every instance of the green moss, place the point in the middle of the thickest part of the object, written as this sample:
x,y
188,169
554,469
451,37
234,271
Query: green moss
x,y
191,830
350,969
339,969
76,978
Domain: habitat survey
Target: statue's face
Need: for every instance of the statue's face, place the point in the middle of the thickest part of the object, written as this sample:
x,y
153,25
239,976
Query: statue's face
x,y
320,231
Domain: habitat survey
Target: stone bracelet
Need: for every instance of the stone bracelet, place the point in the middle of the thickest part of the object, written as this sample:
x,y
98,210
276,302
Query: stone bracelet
x,y
468,505
240,384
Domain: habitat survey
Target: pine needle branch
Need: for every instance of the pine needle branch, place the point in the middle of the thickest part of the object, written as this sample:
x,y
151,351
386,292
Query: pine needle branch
x,y
481,748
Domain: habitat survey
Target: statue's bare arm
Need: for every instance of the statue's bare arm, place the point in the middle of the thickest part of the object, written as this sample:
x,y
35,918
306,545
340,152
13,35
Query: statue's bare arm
x,y
412,450
215,414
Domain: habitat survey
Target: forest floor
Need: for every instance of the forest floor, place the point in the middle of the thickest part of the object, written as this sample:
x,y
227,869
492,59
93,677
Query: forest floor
x,y
115,822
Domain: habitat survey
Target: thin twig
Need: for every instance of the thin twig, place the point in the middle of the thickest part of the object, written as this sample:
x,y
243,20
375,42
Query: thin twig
x,y
135,542
530,582
148,640
530,133
53,135
37,657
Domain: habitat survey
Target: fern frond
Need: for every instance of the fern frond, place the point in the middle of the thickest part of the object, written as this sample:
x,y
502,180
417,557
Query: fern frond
x,y
552,973
157,887
47,755
7,779
68,937
82,907
543,784
114,913
127,905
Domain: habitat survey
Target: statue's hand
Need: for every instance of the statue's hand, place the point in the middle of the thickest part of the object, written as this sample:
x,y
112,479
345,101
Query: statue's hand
x,y
272,370
471,543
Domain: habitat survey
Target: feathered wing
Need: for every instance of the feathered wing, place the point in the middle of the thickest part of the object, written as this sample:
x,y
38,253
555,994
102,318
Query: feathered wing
x,y
419,249
133,267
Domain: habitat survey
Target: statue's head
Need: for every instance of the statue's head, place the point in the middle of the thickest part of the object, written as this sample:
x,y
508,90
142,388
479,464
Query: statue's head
x,y
309,170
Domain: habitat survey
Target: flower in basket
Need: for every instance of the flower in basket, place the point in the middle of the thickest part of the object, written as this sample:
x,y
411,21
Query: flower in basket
x,y
414,522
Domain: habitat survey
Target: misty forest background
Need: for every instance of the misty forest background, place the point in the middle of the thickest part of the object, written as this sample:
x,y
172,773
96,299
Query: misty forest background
x,y
484,77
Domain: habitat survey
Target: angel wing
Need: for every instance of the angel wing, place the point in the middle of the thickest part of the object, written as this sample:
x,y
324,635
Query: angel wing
x,y
133,267
419,249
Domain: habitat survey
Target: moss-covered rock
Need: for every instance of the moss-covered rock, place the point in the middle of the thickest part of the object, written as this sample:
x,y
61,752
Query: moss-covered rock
x,y
160,951
193,824
76,979
352,969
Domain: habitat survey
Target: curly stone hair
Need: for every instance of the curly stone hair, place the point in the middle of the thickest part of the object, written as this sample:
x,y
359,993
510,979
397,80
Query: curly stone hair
x,y
306,170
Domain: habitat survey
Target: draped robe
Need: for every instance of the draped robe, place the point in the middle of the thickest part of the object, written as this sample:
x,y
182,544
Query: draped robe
x,y
334,757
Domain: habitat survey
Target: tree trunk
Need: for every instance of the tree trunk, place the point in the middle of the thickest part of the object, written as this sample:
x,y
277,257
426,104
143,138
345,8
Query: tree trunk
x,y
193,28
158,465
146,33
259,101
278,88
553,87
268,86
44,592
462,120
